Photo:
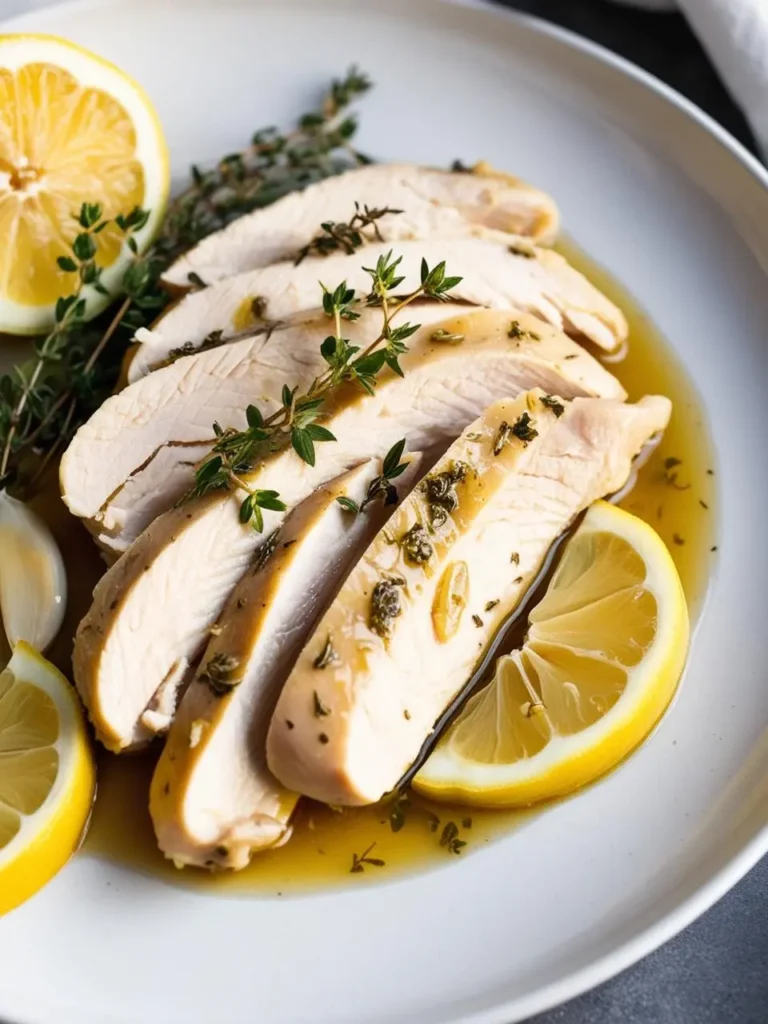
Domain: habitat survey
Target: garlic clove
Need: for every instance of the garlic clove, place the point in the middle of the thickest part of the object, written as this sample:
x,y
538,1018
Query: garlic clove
x,y
33,581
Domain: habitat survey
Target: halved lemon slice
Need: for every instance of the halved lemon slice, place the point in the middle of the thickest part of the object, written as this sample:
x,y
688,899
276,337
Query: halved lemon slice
x,y
47,775
604,652
73,129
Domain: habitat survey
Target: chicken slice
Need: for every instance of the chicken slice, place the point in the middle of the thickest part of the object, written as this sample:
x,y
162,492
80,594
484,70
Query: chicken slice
x,y
494,274
163,421
153,608
433,203
213,800
417,612
179,403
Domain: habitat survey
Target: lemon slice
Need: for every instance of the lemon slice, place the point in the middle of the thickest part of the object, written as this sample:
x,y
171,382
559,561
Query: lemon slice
x,y
604,652
47,775
73,129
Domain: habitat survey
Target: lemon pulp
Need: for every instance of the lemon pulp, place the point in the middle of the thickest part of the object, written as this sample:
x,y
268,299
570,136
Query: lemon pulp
x,y
47,776
603,655
73,129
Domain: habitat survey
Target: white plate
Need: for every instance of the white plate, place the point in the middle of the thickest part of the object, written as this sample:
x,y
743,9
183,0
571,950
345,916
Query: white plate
x,y
680,213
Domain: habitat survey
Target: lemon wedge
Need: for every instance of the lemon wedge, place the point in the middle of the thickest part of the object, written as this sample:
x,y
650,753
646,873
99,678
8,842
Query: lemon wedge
x,y
73,129
603,655
47,775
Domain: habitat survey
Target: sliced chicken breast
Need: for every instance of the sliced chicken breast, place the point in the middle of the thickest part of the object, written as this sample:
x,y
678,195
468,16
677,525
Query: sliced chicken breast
x,y
417,612
213,801
433,203
539,281
159,422
153,608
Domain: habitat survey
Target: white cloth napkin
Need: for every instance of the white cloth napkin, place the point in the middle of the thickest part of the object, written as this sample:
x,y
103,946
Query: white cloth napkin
x,y
735,35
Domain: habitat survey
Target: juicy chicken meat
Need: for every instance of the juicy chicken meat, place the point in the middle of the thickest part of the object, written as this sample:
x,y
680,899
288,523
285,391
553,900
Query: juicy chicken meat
x,y
213,800
153,608
179,402
414,617
493,274
433,204
163,421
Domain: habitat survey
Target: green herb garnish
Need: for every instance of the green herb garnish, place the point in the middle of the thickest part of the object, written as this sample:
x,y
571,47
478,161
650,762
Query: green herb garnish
x,y
347,237
221,673
399,811
518,332
236,452
523,429
360,860
381,487
553,404
416,545
386,604
450,838
321,710
327,656
76,367
442,498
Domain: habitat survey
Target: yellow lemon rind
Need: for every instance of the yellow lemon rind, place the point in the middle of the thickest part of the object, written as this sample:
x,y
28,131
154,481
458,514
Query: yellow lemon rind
x,y
48,838
152,152
569,763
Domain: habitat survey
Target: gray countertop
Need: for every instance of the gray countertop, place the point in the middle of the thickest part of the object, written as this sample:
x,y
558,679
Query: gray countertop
x,y
715,972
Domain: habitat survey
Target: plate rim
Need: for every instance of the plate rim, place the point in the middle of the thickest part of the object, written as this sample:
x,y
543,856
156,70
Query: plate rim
x,y
683,914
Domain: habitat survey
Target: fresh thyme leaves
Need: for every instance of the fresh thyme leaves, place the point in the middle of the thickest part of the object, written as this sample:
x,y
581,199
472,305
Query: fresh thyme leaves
x,y
450,838
236,452
553,404
221,673
523,429
515,558
503,437
75,368
446,337
348,504
518,332
381,487
327,656
274,164
432,820
321,710
189,348
43,401
678,539
346,237
477,621
441,492
416,545
400,809
490,605
670,473
386,604
360,860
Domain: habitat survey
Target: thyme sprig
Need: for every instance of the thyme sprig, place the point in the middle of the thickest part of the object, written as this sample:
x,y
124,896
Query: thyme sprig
x,y
381,487
236,452
274,164
359,860
76,366
347,237
40,401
